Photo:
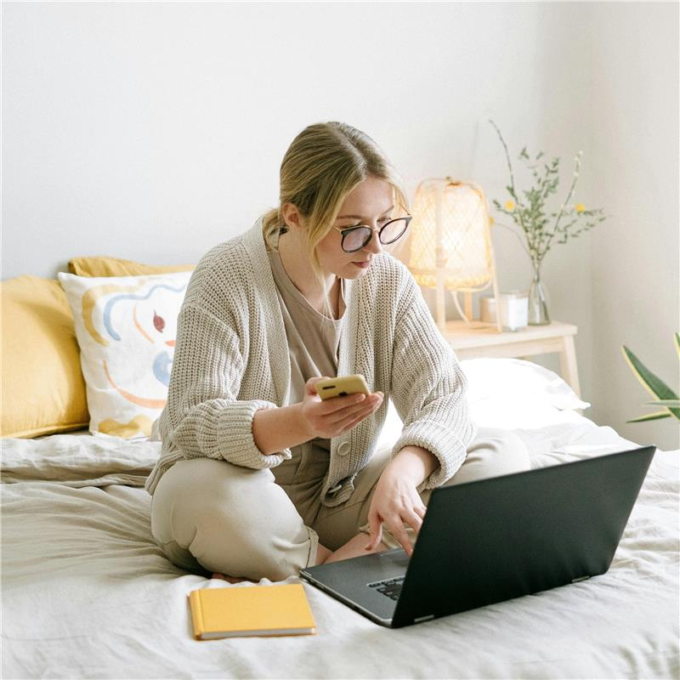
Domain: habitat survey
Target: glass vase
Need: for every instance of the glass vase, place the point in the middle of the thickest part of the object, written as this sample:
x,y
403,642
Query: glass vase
x,y
539,314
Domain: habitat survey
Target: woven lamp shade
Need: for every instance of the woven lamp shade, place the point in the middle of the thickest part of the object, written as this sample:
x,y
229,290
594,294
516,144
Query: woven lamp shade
x,y
456,215
449,245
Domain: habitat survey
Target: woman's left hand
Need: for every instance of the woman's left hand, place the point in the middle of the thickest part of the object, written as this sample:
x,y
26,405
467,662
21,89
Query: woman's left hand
x,y
395,502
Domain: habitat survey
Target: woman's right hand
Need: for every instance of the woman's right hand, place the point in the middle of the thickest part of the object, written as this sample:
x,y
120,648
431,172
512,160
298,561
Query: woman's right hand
x,y
330,418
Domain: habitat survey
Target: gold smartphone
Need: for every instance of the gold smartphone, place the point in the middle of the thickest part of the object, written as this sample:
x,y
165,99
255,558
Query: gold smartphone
x,y
341,386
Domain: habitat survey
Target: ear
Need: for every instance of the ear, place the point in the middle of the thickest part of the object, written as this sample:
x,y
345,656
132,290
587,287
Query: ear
x,y
292,217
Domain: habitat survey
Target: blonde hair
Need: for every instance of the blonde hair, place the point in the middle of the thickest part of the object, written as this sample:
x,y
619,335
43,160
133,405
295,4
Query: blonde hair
x,y
323,164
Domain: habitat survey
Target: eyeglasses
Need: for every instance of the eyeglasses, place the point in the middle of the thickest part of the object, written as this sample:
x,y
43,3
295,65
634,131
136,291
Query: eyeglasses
x,y
356,238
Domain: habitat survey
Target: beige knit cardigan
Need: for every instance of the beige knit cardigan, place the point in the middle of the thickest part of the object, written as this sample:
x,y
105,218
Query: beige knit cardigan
x,y
231,359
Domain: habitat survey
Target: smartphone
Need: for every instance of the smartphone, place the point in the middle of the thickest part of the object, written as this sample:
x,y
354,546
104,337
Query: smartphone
x,y
341,386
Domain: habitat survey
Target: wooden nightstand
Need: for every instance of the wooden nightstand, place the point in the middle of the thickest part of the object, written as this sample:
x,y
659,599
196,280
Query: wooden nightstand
x,y
479,343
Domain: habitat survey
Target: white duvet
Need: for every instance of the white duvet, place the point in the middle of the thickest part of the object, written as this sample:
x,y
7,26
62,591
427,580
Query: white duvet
x,y
87,594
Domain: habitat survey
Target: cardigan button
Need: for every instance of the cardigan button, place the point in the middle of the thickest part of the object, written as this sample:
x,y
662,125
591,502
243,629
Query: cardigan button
x,y
344,448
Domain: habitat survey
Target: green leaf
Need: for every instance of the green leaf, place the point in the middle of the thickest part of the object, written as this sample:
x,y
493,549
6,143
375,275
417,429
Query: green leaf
x,y
653,384
664,402
653,416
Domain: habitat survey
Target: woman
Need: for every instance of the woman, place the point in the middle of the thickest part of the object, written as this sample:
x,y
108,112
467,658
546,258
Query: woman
x,y
258,477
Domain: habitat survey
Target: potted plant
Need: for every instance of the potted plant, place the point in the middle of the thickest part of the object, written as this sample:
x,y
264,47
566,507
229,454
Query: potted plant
x,y
664,395
543,229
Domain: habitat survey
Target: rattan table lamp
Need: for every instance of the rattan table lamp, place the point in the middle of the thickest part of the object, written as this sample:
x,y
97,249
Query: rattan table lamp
x,y
449,246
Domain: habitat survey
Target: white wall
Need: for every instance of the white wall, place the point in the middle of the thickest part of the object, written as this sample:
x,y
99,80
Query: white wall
x,y
152,131
634,142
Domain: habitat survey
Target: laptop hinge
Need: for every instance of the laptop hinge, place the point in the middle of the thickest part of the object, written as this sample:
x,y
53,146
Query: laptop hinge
x,y
423,618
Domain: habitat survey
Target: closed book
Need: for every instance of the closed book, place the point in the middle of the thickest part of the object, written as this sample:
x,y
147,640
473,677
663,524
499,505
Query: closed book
x,y
246,611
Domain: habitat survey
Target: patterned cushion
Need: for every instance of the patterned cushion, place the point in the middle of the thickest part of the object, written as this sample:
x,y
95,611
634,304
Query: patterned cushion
x,y
126,328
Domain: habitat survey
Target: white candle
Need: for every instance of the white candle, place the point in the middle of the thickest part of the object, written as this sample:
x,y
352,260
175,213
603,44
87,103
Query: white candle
x,y
514,309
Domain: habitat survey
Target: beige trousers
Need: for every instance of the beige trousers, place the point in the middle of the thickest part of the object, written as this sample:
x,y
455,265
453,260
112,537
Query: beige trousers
x,y
211,516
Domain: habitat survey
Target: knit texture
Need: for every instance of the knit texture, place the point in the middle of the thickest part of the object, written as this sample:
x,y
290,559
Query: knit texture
x,y
229,363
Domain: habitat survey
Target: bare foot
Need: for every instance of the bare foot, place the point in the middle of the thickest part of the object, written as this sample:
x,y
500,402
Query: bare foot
x,y
322,554
231,579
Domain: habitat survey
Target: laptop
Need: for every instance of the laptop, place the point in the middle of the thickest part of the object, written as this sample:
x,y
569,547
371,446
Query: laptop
x,y
496,539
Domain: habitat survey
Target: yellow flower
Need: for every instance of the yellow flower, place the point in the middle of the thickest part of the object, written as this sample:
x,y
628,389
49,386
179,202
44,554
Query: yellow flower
x,y
491,221
580,207
510,205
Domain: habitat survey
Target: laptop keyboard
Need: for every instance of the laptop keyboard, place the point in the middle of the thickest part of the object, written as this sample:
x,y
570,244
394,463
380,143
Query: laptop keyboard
x,y
390,587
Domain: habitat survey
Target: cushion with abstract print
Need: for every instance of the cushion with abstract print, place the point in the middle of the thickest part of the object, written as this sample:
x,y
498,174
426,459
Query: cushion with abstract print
x,y
126,328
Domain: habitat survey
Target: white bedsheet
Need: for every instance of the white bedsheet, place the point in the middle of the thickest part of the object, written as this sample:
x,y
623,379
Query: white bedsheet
x,y
87,594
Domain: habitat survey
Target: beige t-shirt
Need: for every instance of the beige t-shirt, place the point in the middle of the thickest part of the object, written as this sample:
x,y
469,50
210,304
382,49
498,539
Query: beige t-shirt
x,y
313,341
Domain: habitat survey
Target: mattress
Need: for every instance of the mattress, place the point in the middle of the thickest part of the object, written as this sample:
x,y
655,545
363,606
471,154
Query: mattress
x,y
86,593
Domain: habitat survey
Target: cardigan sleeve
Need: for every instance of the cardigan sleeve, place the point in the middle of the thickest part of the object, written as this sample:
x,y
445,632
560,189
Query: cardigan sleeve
x,y
429,389
203,415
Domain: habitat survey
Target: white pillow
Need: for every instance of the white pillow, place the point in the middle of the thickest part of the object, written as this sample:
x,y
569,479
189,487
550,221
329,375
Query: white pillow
x,y
507,394
516,381
126,329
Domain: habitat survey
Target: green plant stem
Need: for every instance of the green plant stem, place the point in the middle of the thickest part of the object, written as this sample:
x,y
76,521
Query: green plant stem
x,y
564,205
512,185
529,215
507,156
516,235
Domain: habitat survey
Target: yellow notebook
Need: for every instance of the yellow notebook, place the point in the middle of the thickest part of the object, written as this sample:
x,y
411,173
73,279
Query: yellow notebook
x,y
251,610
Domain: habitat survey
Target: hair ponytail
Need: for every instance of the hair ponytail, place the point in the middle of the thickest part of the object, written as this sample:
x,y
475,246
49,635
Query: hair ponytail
x,y
323,164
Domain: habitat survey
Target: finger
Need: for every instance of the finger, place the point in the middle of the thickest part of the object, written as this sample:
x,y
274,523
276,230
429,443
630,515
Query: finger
x,y
363,407
351,416
398,531
372,406
350,410
376,398
413,520
368,409
309,385
376,532
353,421
331,406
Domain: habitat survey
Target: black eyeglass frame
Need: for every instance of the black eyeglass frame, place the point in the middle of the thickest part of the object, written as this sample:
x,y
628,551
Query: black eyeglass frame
x,y
347,230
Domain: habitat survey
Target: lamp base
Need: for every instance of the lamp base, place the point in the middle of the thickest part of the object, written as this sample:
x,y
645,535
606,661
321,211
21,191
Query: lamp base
x,y
467,317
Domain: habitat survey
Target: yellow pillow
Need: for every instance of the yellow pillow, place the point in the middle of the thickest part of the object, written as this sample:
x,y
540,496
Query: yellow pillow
x,y
113,266
43,389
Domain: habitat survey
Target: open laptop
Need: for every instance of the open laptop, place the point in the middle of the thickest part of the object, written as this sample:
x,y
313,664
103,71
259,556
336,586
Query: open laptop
x,y
495,539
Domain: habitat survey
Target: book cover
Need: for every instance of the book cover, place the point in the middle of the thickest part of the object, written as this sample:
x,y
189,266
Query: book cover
x,y
251,611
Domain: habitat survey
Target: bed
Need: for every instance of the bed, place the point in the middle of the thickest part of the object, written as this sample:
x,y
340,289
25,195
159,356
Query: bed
x,y
86,593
